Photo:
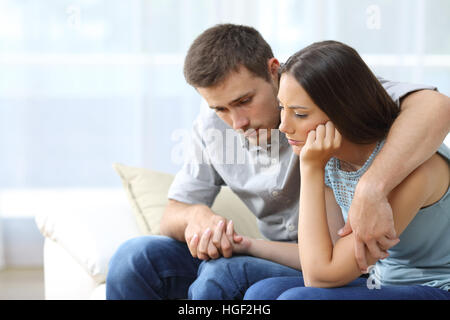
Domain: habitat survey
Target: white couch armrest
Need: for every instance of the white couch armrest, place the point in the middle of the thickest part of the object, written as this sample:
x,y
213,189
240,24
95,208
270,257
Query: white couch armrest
x,y
89,224
65,278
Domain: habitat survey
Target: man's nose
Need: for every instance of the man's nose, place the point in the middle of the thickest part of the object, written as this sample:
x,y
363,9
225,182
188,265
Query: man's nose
x,y
240,121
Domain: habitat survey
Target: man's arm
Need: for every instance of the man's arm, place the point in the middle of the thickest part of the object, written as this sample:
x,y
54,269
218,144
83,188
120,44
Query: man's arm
x,y
181,221
175,219
418,131
192,193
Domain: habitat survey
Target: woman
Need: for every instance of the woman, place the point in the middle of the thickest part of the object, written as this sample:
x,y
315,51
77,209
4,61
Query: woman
x,y
336,116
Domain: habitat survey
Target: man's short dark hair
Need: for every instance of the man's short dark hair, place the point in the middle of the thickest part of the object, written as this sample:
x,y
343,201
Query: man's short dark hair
x,y
222,49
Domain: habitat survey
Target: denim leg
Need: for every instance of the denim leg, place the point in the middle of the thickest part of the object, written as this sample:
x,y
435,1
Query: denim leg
x,y
151,267
272,288
357,290
229,278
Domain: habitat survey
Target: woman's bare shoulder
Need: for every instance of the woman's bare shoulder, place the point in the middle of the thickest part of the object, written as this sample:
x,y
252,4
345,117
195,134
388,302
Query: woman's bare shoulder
x,y
437,172
423,187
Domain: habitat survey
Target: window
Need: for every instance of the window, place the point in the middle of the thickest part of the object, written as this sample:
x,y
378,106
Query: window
x,y
84,84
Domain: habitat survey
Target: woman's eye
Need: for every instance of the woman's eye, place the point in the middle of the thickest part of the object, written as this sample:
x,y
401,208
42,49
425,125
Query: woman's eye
x,y
298,115
219,109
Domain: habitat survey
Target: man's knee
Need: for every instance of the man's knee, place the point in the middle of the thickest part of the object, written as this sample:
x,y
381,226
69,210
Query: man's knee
x,y
132,258
215,280
132,253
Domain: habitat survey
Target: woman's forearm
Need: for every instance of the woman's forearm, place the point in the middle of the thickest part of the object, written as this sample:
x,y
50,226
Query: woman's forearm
x,y
315,244
323,265
280,252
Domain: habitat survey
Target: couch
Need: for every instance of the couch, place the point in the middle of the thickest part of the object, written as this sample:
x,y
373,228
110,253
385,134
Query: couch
x,y
82,236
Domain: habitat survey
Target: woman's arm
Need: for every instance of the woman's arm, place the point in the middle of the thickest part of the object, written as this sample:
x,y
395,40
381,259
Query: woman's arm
x,y
288,253
325,265
280,252
284,253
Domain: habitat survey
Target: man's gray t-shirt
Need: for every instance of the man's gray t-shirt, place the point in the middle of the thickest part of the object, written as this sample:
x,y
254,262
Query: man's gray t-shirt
x,y
265,178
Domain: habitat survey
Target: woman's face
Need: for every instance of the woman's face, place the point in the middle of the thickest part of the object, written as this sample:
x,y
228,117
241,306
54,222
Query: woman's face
x,y
299,114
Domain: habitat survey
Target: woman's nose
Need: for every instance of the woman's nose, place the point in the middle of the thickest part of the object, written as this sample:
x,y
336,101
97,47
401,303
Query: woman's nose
x,y
284,125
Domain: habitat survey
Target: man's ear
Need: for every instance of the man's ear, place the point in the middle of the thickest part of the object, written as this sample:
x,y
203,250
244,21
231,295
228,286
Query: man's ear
x,y
273,65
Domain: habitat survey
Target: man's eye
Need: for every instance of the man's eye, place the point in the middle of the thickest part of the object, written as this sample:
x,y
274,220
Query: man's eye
x,y
247,100
219,109
298,115
280,108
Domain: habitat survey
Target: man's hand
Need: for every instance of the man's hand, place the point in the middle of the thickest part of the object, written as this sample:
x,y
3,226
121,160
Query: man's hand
x,y
370,219
205,235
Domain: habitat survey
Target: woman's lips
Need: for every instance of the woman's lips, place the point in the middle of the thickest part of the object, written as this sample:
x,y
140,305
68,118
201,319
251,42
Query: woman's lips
x,y
295,142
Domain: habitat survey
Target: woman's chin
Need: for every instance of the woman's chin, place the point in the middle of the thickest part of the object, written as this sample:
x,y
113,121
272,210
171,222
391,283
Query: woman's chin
x,y
297,149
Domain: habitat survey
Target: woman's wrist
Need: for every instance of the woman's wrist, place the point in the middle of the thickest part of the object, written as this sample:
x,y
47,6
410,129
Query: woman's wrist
x,y
311,167
249,248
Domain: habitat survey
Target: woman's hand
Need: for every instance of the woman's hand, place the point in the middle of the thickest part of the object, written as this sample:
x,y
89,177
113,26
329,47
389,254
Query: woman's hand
x,y
320,146
240,244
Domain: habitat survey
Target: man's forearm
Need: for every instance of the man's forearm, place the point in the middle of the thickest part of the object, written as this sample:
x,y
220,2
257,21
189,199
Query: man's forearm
x,y
175,218
416,134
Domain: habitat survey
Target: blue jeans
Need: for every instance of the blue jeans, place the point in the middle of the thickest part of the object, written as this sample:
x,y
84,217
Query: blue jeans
x,y
159,267
293,288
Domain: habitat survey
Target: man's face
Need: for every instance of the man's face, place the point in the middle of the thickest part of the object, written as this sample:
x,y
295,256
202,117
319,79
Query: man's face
x,y
246,102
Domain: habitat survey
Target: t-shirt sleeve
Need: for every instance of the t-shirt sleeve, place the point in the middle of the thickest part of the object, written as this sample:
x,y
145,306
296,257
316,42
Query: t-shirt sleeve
x,y
328,168
398,90
198,180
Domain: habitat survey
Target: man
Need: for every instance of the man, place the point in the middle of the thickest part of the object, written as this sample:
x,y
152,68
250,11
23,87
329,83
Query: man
x,y
234,70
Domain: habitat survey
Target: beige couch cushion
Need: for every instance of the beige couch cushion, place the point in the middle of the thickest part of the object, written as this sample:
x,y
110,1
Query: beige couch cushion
x,y
147,192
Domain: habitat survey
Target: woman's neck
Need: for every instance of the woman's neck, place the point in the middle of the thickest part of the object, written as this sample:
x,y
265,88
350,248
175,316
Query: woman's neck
x,y
353,156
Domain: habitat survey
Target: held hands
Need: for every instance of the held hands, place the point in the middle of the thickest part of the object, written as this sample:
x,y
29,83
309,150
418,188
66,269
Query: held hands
x,y
239,244
320,145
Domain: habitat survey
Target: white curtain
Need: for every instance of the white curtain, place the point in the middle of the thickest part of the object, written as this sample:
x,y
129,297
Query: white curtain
x,y
84,84
2,255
